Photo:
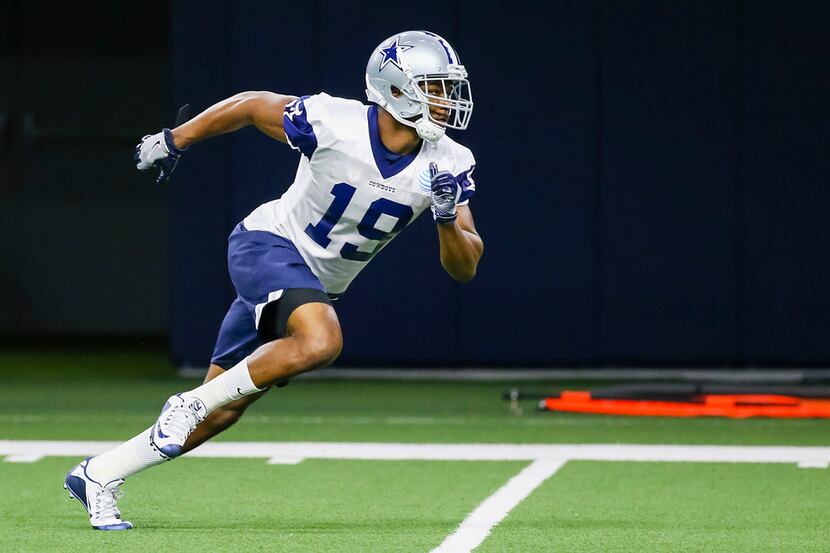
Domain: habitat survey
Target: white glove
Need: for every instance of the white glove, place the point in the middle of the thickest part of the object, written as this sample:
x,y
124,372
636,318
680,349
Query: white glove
x,y
158,150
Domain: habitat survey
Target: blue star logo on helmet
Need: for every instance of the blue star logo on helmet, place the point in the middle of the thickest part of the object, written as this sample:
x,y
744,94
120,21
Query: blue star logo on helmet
x,y
391,52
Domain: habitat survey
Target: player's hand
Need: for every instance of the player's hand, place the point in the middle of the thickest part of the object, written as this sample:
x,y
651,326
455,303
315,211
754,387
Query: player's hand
x,y
158,150
445,195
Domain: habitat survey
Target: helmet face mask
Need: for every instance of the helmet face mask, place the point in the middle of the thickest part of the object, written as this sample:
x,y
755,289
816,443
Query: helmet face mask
x,y
416,74
454,98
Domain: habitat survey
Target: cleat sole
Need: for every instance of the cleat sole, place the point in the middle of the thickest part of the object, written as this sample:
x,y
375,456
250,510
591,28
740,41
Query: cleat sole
x,y
114,527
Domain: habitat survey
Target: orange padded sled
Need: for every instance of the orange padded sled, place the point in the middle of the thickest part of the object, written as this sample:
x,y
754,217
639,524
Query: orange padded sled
x,y
712,405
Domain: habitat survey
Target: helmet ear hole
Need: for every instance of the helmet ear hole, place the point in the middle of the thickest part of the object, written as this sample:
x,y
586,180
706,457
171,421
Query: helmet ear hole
x,y
396,92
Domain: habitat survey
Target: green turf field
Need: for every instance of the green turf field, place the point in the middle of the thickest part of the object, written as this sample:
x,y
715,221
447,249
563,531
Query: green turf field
x,y
234,504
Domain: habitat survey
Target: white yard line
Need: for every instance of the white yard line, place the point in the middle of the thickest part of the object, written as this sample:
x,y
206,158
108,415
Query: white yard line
x,y
292,452
813,464
23,458
546,460
478,524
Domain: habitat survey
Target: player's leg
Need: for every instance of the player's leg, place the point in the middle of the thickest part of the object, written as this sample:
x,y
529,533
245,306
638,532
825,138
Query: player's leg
x,y
285,321
313,339
95,482
236,340
310,337
265,270
274,283
222,418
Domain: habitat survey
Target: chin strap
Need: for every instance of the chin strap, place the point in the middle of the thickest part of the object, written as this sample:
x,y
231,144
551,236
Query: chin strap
x,y
428,130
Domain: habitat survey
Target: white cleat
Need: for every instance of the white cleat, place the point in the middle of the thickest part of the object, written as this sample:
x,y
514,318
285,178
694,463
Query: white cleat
x,y
100,500
178,418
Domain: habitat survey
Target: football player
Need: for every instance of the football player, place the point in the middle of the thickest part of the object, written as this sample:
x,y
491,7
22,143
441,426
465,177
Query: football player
x,y
365,173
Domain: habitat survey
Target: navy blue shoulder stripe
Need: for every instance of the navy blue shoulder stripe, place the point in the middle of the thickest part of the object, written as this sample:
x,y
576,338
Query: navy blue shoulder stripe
x,y
298,130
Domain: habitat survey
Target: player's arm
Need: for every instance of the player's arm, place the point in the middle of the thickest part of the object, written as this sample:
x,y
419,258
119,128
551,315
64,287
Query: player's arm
x,y
261,109
460,244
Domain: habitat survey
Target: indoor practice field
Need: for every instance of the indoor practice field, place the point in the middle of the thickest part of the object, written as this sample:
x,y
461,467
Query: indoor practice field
x,y
347,466
517,276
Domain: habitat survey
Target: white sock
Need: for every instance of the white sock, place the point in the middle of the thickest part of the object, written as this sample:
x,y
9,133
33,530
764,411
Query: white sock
x,y
138,454
225,388
134,455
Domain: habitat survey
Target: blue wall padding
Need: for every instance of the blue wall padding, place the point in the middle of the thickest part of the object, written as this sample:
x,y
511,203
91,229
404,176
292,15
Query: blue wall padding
x,y
652,180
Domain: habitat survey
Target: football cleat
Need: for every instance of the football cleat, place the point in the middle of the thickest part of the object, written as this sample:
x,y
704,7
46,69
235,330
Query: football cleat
x,y
99,500
177,420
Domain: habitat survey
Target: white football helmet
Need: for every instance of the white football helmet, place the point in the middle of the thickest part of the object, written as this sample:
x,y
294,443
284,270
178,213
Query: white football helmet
x,y
409,61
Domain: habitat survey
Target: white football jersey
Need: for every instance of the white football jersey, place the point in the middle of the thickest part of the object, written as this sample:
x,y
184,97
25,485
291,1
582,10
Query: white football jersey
x,y
351,195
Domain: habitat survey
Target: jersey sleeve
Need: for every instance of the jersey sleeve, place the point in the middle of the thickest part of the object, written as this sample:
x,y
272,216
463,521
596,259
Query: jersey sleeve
x,y
465,164
306,122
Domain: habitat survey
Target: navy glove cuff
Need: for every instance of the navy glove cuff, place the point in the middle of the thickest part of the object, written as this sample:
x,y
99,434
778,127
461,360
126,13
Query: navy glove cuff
x,y
446,220
171,146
